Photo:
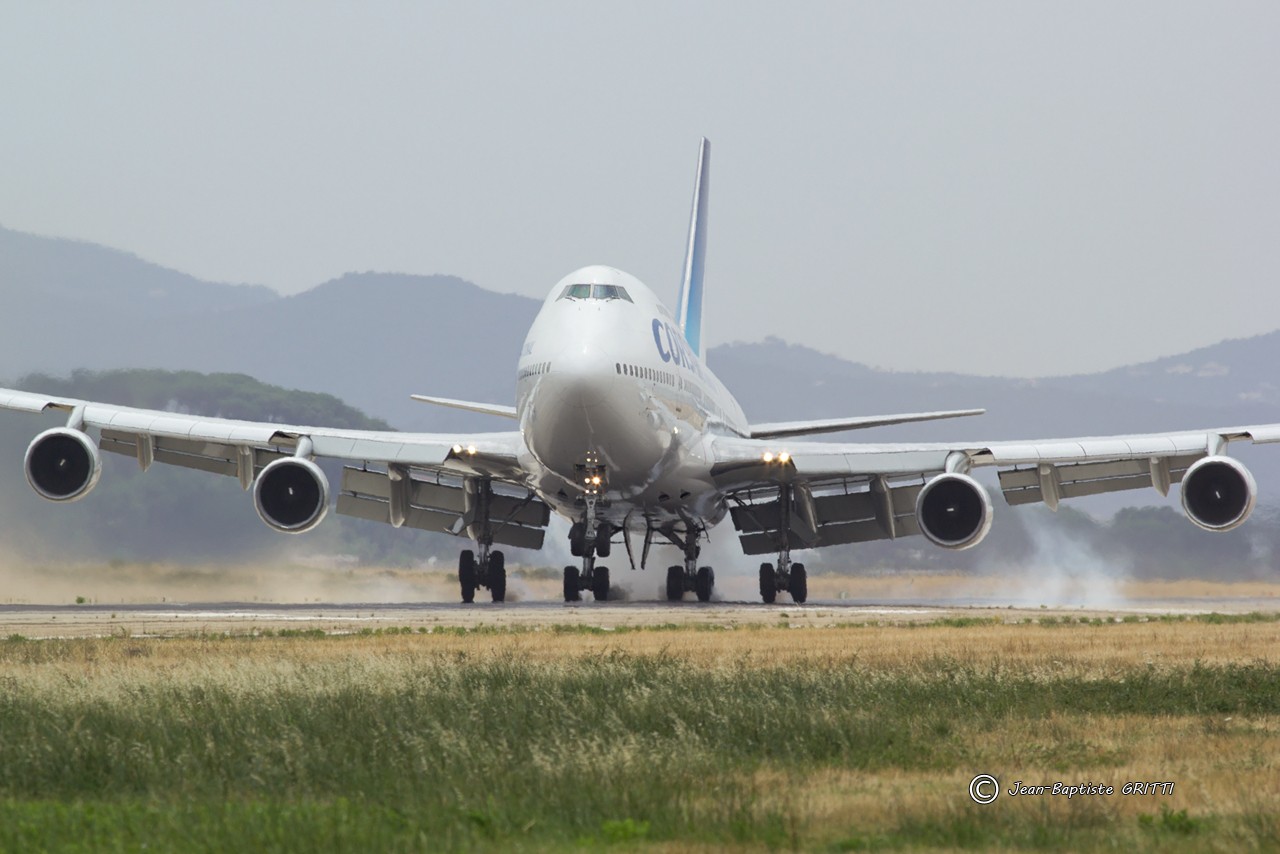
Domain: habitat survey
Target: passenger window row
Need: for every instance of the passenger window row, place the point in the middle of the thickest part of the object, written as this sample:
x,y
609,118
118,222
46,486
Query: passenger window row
x,y
534,370
651,374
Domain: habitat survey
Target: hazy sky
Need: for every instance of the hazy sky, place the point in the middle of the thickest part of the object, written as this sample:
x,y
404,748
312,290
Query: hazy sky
x,y
1022,188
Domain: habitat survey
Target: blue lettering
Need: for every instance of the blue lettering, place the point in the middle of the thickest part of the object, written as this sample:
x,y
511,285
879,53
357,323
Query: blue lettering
x,y
657,339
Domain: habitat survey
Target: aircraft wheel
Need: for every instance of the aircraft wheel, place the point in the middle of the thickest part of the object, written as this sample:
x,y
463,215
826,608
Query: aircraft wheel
x,y
498,576
571,591
675,583
576,538
603,535
768,584
600,583
704,583
799,585
467,575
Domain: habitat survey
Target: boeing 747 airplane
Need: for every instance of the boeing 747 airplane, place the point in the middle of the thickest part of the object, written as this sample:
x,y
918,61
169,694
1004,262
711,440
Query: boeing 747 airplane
x,y
624,431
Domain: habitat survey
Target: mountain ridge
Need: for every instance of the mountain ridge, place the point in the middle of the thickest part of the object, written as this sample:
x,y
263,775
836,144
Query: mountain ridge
x,y
374,338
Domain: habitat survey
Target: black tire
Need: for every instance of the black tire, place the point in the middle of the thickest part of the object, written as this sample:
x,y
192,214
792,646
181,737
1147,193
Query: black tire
x,y
768,584
498,576
575,539
600,583
704,583
675,583
603,535
467,575
571,592
799,584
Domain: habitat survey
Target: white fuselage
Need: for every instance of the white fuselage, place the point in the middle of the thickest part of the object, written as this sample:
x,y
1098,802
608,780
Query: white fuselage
x,y
606,382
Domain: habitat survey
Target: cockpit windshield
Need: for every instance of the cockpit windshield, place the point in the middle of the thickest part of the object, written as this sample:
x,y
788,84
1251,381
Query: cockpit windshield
x,y
595,292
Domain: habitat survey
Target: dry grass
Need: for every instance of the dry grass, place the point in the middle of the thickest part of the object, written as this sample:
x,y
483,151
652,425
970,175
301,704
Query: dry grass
x,y
1226,766
1077,650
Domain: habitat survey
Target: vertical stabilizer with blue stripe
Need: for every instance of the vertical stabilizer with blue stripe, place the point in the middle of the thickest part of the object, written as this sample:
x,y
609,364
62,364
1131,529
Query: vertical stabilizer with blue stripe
x,y
689,304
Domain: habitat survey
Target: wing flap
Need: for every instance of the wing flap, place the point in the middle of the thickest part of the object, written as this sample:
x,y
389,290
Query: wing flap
x,y
442,505
379,510
871,510
199,454
1076,480
864,531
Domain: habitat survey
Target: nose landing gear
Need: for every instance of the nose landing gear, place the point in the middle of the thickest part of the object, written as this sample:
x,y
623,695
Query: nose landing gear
x,y
589,538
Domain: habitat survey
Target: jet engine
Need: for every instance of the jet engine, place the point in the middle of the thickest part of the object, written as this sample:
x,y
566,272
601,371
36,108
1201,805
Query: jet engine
x,y
291,495
62,464
954,511
1218,493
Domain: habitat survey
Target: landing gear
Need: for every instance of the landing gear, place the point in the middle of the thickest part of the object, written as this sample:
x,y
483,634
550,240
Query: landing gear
x,y
703,583
604,535
768,584
681,579
798,584
600,583
572,590
789,576
675,583
587,539
590,577
490,570
498,576
792,579
467,575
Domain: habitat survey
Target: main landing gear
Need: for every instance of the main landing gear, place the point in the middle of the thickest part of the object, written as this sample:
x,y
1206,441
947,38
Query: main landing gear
x,y
587,539
789,576
680,579
489,568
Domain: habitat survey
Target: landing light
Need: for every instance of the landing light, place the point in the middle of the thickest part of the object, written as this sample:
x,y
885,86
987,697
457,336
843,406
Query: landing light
x,y
471,449
767,456
595,481
784,458
457,449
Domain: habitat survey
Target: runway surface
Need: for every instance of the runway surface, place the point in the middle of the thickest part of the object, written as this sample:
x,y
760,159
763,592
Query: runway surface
x,y
188,618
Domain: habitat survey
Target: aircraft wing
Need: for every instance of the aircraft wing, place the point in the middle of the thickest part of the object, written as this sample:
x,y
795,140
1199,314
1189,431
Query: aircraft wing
x,y
836,425
845,493
422,480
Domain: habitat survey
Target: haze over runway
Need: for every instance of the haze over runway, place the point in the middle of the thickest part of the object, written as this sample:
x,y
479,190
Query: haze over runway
x,y
923,186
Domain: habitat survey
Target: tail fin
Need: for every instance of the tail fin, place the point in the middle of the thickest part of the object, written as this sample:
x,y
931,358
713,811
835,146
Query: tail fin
x,y
689,304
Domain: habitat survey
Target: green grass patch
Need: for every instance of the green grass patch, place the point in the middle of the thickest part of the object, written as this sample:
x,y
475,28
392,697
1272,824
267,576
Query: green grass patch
x,y
450,751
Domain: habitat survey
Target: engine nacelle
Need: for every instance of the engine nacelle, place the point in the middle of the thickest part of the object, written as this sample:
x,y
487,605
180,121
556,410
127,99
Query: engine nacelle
x,y
291,495
62,464
954,511
1218,493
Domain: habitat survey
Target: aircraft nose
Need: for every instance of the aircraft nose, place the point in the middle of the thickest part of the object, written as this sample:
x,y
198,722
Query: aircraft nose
x,y
581,375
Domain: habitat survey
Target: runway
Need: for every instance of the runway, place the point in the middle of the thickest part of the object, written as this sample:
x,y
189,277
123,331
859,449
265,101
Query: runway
x,y
193,618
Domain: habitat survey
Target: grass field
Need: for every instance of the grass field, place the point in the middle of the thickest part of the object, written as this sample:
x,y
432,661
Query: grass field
x,y
671,738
